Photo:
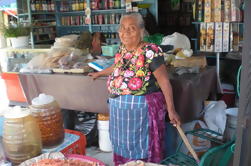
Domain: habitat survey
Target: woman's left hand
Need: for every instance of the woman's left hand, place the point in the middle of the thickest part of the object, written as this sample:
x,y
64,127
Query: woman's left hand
x,y
174,118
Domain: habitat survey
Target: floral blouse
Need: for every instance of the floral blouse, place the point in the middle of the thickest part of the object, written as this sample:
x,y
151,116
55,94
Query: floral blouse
x,y
132,73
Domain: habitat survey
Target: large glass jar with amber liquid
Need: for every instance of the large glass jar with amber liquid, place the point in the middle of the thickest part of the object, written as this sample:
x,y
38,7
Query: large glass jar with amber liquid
x,y
48,114
21,136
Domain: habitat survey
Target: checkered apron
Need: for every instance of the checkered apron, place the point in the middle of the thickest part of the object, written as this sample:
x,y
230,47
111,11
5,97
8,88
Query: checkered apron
x,y
129,126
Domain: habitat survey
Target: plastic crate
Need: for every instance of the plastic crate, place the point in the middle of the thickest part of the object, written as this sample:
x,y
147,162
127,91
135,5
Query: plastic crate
x,y
109,50
77,147
182,159
14,89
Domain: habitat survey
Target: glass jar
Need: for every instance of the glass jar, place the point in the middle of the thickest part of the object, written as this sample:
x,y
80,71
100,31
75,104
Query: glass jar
x,y
49,117
21,136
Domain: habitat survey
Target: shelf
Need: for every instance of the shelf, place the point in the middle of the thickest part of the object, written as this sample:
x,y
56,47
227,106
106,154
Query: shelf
x,y
46,13
69,26
222,22
44,33
45,26
109,11
72,12
23,15
40,20
104,25
42,41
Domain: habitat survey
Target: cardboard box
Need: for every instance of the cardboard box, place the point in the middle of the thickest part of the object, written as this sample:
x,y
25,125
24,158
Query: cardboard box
x,y
218,37
216,11
207,11
227,10
210,37
225,42
234,37
203,36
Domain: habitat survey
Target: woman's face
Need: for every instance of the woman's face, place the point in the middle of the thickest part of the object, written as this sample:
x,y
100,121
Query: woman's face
x,y
130,32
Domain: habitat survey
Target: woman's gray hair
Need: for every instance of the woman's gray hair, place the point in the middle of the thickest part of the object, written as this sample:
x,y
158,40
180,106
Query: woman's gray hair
x,y
138,17
140,21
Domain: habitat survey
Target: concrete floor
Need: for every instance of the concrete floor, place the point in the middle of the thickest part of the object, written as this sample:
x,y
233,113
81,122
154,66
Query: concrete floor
x,y
105,157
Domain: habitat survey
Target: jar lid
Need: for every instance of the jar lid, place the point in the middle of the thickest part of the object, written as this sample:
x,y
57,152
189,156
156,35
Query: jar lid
x,y
16,112
42,99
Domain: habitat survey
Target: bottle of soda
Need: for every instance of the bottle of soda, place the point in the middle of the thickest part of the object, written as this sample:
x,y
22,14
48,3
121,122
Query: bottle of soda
x,y
33,5
52,5
111,4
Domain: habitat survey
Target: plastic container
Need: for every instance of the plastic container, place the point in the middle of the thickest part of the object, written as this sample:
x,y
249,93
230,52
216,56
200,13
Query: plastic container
x,y
231,124
110,50
49,117
104,138
14,88
77,147
21,136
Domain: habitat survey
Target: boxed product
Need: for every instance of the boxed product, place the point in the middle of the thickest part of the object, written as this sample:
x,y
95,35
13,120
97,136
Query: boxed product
x,y
207,11
216,11
203,36
235,10
225,43
234,37
210,37
200,10
218,37
227,10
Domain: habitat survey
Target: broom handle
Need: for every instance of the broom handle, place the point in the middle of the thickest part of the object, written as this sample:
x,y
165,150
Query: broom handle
x,y
188,145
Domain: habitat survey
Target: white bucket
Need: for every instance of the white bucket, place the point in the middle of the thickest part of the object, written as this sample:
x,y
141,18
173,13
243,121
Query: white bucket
x,y
104,138
18,42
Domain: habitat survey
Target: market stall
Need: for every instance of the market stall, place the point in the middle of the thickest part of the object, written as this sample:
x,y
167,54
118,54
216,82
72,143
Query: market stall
x,y
85,94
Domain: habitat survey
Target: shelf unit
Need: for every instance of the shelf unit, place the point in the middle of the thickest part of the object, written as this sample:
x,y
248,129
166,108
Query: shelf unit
x,y
43,22
64,20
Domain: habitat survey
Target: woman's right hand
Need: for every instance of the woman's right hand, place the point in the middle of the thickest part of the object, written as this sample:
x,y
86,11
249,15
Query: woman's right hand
x,y
94,75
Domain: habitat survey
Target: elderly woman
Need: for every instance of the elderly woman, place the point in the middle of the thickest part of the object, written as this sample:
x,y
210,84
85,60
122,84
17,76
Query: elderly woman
x,y
140,90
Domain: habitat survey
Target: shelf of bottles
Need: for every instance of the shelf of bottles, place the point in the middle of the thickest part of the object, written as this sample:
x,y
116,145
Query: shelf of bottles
x,y
43,21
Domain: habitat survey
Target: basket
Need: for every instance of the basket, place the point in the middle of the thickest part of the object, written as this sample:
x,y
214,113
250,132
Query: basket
x,y
219,154
109,50
77,147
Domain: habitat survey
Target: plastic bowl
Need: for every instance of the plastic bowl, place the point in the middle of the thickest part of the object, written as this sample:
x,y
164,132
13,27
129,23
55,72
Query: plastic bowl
x,y
85,158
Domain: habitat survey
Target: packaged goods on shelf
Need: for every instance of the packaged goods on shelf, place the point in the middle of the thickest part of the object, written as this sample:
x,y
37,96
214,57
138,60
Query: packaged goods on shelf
x,y
225,41
203,36
234,37
235,10
227,10
216,10
208,11
210,37
218,37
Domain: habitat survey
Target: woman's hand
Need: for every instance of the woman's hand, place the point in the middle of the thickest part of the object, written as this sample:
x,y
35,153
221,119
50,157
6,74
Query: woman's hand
x,y
94,75
174,118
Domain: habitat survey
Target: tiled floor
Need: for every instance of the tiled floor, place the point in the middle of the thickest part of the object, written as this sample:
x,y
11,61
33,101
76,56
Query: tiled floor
x,y
95,152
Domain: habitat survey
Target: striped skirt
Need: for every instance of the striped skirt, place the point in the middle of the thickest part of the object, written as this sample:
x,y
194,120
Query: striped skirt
x,y
137,125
